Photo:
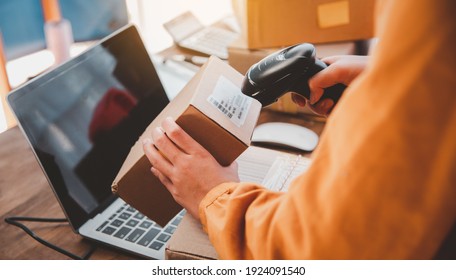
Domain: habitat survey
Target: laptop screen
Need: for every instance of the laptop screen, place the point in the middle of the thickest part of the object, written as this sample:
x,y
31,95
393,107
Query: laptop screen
x,y
82,118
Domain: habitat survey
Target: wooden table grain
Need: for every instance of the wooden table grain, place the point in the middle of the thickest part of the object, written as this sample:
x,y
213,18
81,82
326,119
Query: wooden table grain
x,y
24,191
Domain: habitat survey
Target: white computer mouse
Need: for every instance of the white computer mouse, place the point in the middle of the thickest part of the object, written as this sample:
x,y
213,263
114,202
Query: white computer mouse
x,y
286,135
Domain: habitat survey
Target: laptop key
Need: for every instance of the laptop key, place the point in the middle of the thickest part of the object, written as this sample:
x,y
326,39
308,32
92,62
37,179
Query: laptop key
x,y
135,235
125,216
121,233
117,223
156,245
164,237
132,223
131,209
150,235
170,229
139,216
102,225
176,221
109,230
145,224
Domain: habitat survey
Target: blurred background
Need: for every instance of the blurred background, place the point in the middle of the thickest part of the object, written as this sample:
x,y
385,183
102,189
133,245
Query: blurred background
x,y
23,25
36,35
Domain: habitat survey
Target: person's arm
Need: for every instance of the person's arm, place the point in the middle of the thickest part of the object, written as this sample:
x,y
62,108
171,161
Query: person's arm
x,y
381,184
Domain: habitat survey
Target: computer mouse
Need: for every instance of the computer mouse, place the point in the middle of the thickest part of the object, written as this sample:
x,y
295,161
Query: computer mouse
x,y
286,135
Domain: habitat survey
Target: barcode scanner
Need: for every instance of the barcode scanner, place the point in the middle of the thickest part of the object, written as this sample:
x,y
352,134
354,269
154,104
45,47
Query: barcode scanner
x,y
287,70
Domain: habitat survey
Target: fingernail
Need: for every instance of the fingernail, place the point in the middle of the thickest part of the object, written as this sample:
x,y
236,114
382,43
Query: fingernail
x,y
169,119
159,130
326,105
313,98
146,141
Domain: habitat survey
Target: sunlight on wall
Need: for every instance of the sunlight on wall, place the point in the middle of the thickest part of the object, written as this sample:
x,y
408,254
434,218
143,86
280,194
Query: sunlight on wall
x,y
150,16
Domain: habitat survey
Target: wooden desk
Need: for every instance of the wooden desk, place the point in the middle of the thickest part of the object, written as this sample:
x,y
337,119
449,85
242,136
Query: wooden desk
x,y
24,191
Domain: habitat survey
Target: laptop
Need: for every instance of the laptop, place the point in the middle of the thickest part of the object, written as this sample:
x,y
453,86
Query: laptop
x,y
81,119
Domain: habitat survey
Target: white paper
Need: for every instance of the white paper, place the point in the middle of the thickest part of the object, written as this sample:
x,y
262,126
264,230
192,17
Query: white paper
x,y
272,169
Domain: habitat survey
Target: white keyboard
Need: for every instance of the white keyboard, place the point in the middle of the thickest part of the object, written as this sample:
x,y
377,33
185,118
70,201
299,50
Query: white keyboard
x,y
210,40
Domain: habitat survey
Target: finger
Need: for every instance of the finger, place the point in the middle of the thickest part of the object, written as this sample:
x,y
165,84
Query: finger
x,y
165,180
323,79
298,99
165,145
184,141
323,107
331,59
155,158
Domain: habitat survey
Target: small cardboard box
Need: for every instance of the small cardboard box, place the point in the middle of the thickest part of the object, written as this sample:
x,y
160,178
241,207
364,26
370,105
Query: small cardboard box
x,y
276,23
211,109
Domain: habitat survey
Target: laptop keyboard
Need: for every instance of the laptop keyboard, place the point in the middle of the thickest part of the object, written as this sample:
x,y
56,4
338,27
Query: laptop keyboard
x,y
129,224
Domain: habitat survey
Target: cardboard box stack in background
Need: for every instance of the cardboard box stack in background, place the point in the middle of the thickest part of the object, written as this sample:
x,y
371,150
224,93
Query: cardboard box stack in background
x,y
214,112
269,25
276,23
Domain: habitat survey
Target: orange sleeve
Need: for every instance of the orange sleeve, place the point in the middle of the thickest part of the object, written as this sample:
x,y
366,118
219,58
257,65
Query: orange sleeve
x,y
382,180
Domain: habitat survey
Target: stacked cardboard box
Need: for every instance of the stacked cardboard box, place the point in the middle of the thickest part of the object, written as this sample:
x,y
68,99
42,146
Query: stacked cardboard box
x,y
276,23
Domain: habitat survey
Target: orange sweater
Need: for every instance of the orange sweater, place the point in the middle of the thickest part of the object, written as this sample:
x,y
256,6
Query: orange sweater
x,y
382,184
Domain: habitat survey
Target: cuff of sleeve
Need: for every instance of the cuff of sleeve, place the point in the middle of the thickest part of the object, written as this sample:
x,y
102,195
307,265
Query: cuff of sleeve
x,y
210,198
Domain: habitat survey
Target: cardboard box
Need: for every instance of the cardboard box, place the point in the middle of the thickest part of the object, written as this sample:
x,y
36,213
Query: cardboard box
x,y
190,242
212,109
276,23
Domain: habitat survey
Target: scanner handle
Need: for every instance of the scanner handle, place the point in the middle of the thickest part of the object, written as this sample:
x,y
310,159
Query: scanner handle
x,y
302,86
333,92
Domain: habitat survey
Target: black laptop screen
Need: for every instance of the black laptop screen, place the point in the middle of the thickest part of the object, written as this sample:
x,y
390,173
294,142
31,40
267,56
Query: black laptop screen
x,y
82,118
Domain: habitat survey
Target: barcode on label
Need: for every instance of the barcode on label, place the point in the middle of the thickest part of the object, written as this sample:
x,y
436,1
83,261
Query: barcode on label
x,y
220,107
229,100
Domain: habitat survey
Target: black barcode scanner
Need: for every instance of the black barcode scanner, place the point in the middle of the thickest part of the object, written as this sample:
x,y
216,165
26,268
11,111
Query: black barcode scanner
x,y
287,70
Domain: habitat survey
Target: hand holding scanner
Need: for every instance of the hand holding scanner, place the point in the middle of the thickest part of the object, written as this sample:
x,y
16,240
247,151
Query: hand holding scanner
x,y
287,70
